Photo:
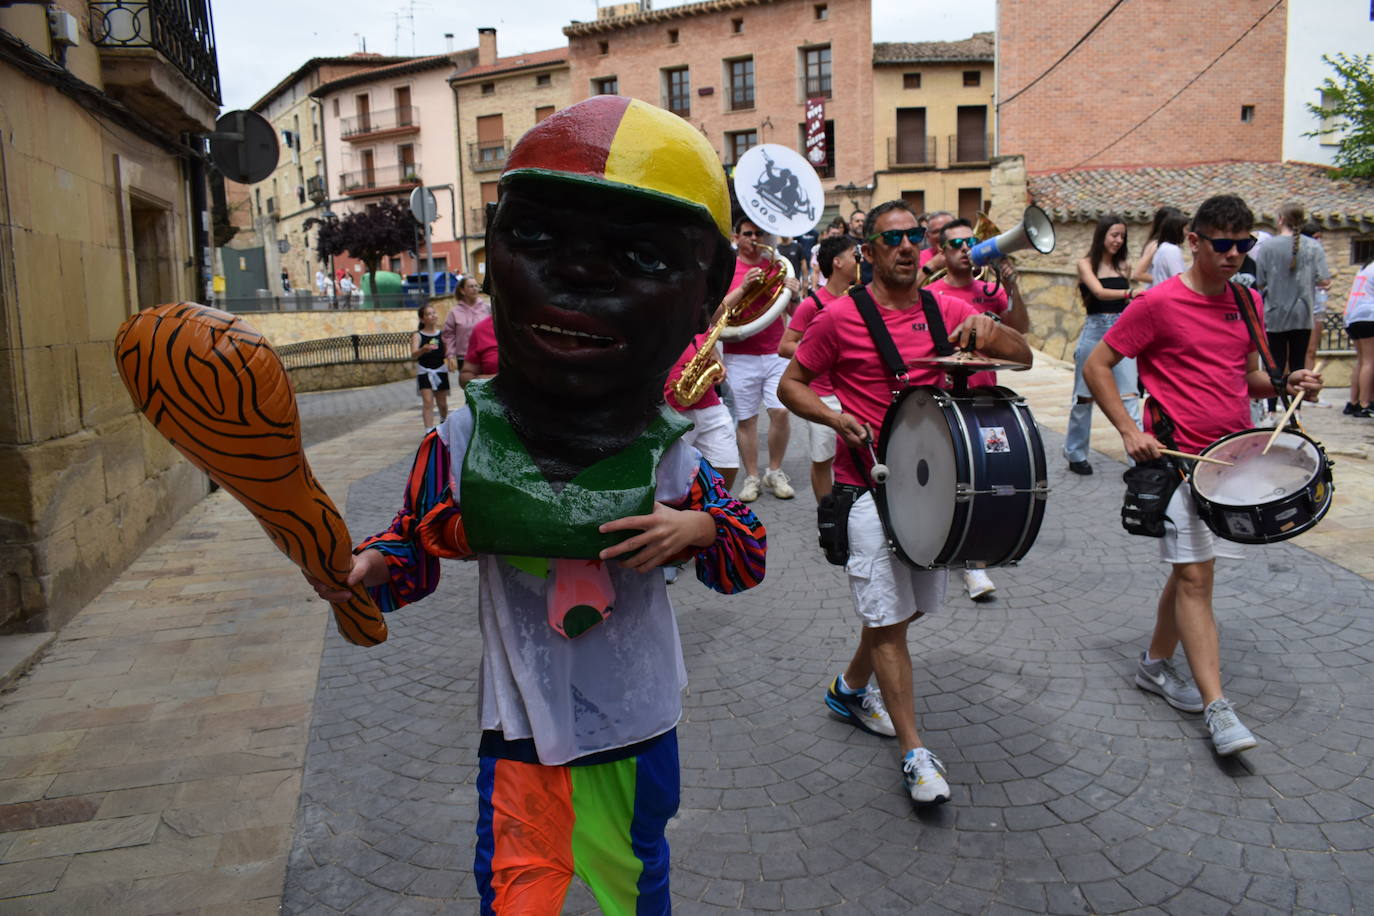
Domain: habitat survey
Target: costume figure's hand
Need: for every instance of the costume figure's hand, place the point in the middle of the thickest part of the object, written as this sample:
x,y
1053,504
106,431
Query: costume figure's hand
x,y
854,433
1141,446
368,567
663,535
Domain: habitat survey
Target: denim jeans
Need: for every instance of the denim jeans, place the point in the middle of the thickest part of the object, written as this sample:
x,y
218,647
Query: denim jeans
x,y
1081,415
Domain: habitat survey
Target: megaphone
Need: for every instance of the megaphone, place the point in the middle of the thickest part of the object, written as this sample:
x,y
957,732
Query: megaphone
x,y
1036,231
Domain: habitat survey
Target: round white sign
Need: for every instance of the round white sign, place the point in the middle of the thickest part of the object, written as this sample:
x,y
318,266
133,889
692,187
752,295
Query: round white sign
x,y
779,190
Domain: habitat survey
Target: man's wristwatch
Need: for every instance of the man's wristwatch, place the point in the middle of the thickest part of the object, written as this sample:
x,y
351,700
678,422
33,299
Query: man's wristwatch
x,y
994,316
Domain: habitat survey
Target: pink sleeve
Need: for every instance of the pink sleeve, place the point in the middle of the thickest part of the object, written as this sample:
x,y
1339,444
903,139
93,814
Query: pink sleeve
x,y
803,316
817,350
475,344
1135,329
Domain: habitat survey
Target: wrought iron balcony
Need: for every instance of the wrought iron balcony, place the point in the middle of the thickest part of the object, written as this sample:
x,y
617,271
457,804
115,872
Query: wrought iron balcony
x,y
911,152
969,149
179,30
393,121
489,156
314,188
379,178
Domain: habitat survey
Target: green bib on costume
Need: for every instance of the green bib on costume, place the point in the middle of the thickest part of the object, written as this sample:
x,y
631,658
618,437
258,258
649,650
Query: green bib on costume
x,y
509,507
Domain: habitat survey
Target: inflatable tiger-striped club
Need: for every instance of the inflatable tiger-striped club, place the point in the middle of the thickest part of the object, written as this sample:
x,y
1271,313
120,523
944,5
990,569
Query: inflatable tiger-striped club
x,y
213,386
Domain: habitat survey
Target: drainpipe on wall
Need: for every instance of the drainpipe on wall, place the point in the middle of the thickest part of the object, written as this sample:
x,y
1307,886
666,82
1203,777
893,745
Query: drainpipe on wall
x,y
462,201
324,173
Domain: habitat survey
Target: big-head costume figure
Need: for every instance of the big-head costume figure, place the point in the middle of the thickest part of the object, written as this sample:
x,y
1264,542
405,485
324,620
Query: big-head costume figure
x,y
567,480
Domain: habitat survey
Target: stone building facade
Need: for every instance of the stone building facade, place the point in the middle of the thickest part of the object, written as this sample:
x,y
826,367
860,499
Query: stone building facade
x,y
1095,105
101,204
497,101
932,125
742,71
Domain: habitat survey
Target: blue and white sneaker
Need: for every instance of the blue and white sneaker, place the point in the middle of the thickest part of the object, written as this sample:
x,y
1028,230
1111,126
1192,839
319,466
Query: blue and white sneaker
x,y
923,774
865,710
1229,736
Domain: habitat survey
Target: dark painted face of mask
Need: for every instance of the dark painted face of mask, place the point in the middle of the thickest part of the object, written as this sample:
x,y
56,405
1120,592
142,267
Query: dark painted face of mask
x,y
595,292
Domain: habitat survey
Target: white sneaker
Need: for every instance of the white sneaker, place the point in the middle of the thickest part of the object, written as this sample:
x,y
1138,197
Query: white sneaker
x,y
749,490
778,483
923,773
978,585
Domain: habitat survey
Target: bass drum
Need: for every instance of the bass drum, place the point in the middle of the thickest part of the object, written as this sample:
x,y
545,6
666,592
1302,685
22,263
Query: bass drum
x,y
966,477
1262,498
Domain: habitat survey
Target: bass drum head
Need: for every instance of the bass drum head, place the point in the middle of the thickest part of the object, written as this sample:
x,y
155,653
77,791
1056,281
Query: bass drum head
x,y
1289,467
918,449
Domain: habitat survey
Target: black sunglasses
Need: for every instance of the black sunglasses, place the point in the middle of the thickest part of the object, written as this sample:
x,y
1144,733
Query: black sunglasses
x,y
893,237
1222,246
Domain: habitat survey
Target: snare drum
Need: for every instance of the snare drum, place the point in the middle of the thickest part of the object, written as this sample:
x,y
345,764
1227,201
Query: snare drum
x,y
966,477
1262,498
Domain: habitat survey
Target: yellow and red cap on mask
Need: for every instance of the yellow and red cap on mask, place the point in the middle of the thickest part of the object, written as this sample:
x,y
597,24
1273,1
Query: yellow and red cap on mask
x,y
630,145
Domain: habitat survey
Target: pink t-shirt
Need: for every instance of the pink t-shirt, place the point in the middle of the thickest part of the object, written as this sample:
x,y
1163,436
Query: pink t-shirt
x,y
481,355
973,294
1193,353
927,254
838,342
765,341
801,320
709,399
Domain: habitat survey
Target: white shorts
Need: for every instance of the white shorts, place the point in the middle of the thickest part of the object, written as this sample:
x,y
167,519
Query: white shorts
x,y
1187,539
822,437
885,590
714,436
754,380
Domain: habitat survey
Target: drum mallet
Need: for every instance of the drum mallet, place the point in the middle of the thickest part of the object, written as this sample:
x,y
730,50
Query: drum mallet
x,y
879,470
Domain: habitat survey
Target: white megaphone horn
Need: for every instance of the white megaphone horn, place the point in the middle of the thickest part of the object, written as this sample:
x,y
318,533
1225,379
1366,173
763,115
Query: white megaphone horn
x,y
1036,231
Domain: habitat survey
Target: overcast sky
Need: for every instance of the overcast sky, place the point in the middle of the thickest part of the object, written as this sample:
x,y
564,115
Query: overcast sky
x,y
261,41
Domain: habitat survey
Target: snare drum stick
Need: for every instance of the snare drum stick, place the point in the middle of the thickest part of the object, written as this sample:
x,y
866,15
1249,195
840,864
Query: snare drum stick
x,y
1283,421
1203,458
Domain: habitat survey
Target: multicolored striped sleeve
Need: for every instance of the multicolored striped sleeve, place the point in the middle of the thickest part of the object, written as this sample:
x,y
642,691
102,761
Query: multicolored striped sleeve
x,y
736,560
410,545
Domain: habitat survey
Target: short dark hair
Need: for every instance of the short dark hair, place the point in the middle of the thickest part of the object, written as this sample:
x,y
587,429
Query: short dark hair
x,y
886,206
830,247
953,224
1223,213
741,220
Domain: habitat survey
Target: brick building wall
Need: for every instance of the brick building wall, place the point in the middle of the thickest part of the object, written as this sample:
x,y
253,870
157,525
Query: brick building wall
x,y
1141,55
637,49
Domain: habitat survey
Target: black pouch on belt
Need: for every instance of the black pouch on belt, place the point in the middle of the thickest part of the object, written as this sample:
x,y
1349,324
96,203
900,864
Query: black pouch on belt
x,y
1149,487
832,520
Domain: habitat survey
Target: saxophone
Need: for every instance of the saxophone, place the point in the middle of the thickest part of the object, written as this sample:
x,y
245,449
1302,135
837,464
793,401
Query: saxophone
x,y
704,370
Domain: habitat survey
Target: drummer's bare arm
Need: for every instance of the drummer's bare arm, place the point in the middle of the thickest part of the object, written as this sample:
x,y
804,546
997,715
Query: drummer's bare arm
x,y
1097,372
788,345
1299,380
796,395
992,338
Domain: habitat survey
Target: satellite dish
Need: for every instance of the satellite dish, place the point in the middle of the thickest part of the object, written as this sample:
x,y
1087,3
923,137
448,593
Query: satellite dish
x,y
244,146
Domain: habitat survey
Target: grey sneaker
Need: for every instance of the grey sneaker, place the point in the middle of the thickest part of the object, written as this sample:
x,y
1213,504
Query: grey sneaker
x,y
923,774
1161,678
1228,734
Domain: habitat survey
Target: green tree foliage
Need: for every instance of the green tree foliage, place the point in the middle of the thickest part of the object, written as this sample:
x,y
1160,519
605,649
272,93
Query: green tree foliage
x,y
369,235
1349,98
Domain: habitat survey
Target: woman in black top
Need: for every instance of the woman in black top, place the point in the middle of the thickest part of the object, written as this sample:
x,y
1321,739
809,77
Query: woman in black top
x,y
431,377
1106,289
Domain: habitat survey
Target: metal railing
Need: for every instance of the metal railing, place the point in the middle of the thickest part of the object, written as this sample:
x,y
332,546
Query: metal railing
x,y
376,121
381,176
307,301
965,149
393,347
180,30
488,156
1333,335
919,154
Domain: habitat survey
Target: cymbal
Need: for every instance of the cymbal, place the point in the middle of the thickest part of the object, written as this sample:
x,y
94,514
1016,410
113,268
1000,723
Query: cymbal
x,y
965,364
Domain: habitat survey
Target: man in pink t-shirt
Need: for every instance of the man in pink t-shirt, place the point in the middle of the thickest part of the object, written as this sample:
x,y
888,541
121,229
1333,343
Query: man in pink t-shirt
x,y
933,255
957,240
838,261
1196,358
887,594
753,367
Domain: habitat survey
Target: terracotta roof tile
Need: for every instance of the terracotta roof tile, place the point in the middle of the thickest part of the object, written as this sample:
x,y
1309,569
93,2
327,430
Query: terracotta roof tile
x,y
979,47
1135,193
516,62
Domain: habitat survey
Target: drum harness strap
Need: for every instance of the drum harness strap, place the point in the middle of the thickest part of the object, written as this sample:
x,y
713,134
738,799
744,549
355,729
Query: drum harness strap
x,y
1246,304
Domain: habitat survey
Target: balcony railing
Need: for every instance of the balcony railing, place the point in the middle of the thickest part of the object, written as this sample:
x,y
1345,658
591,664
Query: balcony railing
x,y
966,150
314,188
912,154
488,156
366,126
383,177
814,87
180,30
